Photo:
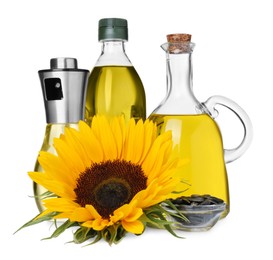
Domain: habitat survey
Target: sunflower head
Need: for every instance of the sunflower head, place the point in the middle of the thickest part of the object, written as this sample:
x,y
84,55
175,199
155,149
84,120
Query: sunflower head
x,y
108,176
109,185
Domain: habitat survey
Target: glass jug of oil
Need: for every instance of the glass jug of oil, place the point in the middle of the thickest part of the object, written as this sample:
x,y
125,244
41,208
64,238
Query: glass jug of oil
x,y
196,136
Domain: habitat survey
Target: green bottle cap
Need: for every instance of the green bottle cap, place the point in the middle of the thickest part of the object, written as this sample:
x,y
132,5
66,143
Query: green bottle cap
x,y
113,28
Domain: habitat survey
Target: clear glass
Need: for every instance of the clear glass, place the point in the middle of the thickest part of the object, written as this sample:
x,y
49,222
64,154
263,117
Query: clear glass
x,y
52,131
196,136
114,86
200,218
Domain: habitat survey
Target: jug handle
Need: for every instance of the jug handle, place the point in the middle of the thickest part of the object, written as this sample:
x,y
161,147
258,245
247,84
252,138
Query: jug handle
x,y
209,106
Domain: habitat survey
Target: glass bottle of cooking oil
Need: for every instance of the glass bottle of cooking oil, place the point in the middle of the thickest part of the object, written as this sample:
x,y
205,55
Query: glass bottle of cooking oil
x,y
64,90
114,86
196,136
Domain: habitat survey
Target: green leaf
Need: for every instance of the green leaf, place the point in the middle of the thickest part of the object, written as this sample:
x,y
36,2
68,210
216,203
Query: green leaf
x,y
59,230
38,219
156,216
45,195
121,232
98,238
83,233
178,214
113,234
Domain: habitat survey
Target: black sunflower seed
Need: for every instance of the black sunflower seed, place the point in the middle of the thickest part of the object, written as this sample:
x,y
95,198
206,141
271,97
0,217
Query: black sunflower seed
x,y
196,199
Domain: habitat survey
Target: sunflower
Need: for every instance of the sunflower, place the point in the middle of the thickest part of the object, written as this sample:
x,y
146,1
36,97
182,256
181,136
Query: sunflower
x,y
106,175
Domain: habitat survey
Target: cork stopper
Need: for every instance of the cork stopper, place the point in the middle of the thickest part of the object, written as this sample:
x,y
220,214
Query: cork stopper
x,y
179,43
179,37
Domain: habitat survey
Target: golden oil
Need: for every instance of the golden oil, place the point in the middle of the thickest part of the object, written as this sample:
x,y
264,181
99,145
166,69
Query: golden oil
x,y
114,91
198,143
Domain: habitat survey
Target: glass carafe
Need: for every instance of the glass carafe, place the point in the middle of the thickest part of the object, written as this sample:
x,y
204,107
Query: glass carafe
x,y
64,90
196,136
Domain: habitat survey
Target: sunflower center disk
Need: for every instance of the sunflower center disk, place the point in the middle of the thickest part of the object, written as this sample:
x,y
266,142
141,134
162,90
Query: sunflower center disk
x,y
109,185
112,193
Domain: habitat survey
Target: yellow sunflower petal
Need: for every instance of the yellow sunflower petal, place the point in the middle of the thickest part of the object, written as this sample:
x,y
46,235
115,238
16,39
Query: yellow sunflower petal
x,y
97,224
149,137
103,132
93,212
59,188
69,157
125,211
121,212
138,141
75,144
135,146
135,227
129,141
60,205
90,143
118,128
55,168
100,224
159,145
65,215
149,196
128,214
134,215
80,215
88,224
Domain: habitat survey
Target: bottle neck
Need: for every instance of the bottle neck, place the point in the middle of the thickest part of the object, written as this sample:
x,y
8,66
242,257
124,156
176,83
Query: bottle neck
x,y
180,97
179,74
113,54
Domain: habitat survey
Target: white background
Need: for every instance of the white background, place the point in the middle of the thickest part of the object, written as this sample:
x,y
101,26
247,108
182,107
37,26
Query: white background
x,y
233,57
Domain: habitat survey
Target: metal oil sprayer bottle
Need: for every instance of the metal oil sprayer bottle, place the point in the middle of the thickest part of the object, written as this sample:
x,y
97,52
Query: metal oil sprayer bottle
x,y
196,136
114,86
64,90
